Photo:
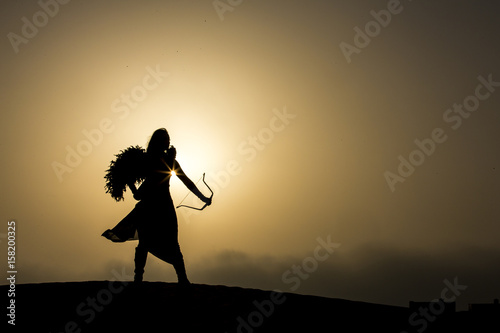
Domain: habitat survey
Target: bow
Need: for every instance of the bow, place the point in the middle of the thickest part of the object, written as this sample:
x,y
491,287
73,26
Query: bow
x,y
206,204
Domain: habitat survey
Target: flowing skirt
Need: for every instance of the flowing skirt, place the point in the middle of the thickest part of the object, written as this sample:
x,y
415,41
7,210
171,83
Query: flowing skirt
x,y
154,223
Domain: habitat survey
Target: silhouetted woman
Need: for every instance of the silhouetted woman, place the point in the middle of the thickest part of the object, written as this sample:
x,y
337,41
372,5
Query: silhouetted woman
x,y
154,216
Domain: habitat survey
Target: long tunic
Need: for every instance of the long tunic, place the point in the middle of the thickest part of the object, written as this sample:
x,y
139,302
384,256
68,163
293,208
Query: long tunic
x,y
153,220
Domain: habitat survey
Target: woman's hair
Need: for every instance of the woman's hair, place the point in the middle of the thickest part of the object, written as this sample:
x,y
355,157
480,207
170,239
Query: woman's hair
x,y
157,142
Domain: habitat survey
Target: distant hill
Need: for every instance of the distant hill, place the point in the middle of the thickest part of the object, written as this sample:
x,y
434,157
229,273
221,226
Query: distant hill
x,y
115,306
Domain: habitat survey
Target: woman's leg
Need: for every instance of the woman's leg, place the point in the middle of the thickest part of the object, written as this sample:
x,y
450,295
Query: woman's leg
x,y
141,254
173,255
180,269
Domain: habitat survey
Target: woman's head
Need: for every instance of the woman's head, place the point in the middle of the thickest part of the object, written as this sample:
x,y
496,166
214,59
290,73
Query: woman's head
x,y
159,142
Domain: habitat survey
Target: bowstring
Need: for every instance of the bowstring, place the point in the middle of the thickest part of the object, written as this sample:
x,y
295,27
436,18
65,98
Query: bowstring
x,y
180,203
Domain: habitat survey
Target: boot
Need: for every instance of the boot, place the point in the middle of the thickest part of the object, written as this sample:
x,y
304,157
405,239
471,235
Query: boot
x,y
141,255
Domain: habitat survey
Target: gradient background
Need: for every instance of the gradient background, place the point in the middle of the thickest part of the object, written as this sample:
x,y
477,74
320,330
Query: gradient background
x,y
322,175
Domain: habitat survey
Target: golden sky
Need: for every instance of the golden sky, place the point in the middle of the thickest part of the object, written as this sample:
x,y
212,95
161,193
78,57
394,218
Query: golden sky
x,y
372,123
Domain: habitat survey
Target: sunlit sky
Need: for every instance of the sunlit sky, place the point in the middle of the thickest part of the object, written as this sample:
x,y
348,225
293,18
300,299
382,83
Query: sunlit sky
x,y
303,125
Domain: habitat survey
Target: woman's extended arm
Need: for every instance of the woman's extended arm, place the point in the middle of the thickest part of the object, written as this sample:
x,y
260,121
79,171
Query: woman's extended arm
x,y
189,184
